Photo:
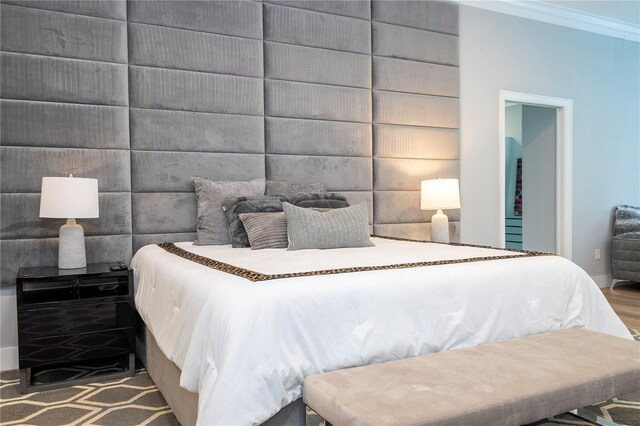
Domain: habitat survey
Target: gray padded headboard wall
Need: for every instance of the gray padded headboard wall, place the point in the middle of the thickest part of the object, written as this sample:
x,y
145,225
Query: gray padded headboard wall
x,y
143,95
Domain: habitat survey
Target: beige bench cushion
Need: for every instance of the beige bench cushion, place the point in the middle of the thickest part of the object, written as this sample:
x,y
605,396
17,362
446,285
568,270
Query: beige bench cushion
x,y
506,383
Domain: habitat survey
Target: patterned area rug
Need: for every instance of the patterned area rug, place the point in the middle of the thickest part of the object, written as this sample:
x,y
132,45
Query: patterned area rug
x,y
136,401
130,401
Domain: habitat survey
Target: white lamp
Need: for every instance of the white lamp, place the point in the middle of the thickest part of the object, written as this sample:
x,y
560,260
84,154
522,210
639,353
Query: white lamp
x,y
438,194
70,198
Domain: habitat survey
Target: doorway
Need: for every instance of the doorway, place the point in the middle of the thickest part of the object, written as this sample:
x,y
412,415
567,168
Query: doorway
x,y
535,173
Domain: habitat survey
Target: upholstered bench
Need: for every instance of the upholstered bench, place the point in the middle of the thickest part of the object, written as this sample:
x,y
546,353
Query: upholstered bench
x,y
506,383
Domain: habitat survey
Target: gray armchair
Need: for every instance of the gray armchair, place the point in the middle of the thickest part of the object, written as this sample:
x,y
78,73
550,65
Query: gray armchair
x,y
625,246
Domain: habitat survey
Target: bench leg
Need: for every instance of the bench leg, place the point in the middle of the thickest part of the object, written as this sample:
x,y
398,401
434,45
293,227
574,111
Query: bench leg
x,y
613,283
590,416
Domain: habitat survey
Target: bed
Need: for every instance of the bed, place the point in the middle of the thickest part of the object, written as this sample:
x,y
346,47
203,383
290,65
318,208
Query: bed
x,y
242,328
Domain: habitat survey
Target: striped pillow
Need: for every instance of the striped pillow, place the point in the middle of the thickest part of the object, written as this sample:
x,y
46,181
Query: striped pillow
x,y
265,230
337,228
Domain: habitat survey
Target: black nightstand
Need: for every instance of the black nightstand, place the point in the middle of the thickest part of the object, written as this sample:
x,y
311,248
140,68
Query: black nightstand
x,y
74,326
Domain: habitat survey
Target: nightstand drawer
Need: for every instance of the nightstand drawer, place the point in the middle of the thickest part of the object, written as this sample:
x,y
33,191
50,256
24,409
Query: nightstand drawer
x,y
63,289
92,316
77,347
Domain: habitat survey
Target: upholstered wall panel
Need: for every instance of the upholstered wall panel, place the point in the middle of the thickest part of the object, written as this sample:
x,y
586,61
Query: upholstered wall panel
x,y
415,110
320,102
415,77
23,168
197,98
339,173
426,15
44,78
307,28
403,207
353,8
165,47
408,43
150,211
161,130
64,109
194,91
238,18
156,171
308,64
113,9
317,137
415,142
63,125
405,174
20,216
143,95
28,30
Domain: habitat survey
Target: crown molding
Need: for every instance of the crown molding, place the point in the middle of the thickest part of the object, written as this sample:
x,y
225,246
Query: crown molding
x,y
559,15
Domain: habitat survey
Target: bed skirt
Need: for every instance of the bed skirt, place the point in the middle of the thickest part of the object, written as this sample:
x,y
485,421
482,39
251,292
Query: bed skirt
x,y
166,376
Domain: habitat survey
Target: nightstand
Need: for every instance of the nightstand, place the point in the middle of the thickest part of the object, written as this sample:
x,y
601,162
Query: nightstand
x,y
74,326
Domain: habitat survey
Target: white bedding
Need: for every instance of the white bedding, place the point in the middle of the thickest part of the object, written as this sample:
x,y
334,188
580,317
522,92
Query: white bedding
x,y
246,347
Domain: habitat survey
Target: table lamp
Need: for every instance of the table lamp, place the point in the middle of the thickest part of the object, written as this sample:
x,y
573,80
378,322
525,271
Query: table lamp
x,y
70,198
438,194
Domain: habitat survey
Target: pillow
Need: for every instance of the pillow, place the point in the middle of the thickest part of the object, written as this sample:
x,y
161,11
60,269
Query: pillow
x,y
316,200
337,228
212,226
627,220
287,189
232,208
265,230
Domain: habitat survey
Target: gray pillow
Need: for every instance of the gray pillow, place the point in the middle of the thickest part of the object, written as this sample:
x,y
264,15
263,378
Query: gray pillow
x,y
212,226
337,228
234,206
315,200
265,230
287,189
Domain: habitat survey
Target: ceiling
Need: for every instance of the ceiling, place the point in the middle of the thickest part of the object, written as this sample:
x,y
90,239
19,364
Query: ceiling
x,y
625,11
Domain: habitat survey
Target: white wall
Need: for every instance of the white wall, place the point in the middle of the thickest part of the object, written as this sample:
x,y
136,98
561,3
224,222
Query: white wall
x,y
601,75
8,330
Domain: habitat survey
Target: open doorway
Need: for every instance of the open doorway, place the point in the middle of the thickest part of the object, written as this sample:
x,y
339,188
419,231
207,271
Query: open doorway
x,y
535,176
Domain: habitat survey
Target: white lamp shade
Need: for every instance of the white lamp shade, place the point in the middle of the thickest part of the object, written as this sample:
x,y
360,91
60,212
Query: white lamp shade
x,y
440,194
69,198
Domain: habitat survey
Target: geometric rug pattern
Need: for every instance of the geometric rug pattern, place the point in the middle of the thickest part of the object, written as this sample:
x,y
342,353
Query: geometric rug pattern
x,y
137,401
130,401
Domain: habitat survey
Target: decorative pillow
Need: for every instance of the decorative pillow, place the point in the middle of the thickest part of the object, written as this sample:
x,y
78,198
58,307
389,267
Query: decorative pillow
x,y
315,200
234,206
337,228
287,189
212,226
265,230
627,220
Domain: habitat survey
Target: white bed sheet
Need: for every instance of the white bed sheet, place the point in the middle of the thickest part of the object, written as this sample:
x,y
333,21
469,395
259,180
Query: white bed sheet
x,y
246,347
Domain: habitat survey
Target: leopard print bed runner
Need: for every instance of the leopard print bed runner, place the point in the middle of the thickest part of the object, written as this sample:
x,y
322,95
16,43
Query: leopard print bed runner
x,y
257,276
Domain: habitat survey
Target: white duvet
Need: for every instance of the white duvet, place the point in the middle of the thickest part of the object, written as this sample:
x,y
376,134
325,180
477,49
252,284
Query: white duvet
x,y
245,347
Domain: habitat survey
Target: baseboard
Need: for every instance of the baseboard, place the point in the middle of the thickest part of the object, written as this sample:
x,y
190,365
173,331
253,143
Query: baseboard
x,y
9,358
603,281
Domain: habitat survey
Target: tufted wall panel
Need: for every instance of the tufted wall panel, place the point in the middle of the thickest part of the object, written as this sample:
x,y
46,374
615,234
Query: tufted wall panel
x,y
64,109
415,110
142,95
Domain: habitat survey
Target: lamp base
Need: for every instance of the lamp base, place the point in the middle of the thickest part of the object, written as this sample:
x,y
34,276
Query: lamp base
x,y
71,251
440,227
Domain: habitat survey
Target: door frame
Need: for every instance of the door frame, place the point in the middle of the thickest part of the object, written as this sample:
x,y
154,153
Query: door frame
x,y
564,163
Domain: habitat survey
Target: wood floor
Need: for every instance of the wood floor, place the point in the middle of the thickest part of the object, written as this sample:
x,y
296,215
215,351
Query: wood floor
x,y
625,301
